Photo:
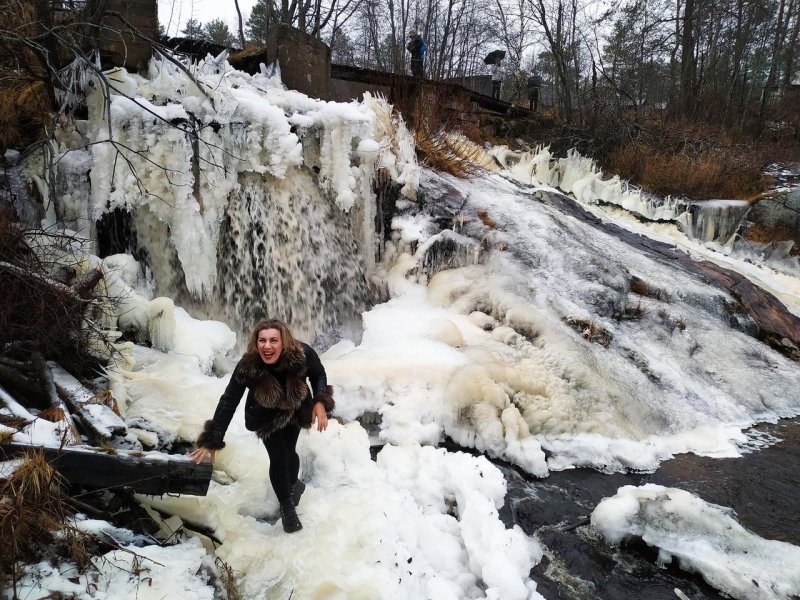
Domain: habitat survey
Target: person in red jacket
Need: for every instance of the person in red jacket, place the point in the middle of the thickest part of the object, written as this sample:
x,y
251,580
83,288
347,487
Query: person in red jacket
x,y
274,369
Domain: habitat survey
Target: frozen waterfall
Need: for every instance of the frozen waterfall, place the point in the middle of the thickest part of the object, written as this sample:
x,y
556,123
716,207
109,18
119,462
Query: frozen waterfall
x,y
236,195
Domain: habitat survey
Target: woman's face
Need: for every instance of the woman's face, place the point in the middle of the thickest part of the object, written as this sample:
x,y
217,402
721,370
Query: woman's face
x,y
269,345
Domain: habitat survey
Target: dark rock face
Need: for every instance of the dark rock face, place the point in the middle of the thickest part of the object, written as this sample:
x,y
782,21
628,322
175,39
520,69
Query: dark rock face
x,y
448,251
776,219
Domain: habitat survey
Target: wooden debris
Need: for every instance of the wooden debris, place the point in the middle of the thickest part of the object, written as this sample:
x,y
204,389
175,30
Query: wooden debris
x,y
152,473
57,410
101,420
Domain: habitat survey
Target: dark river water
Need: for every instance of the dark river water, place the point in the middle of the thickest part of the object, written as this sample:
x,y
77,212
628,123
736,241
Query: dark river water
x,y
762,487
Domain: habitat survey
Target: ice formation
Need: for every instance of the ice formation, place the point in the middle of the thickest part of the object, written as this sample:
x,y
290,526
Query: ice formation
x,y
189,154
704,538
709,220
521,376
182,148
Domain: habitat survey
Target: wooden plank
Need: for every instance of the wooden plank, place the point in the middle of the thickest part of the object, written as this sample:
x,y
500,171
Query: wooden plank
x,y
153,473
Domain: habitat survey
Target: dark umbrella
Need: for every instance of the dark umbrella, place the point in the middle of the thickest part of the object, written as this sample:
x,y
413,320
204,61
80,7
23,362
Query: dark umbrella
x,y
493,56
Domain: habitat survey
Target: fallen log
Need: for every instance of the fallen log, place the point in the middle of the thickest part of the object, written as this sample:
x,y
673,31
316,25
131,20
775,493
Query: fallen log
x,y
24,388
151,473
57,411
101,421
186,524
17,417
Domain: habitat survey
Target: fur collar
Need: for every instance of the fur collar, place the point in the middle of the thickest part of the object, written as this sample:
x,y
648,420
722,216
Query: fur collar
x,y
281,386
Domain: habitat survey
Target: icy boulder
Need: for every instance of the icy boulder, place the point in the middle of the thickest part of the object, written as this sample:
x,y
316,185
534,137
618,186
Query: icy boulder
x,y
704,538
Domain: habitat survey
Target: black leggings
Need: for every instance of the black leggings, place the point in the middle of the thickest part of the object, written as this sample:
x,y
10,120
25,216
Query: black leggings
x,y
284,464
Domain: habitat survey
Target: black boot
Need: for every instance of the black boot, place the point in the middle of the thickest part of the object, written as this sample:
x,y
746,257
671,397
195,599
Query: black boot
x,y
297,490
291,522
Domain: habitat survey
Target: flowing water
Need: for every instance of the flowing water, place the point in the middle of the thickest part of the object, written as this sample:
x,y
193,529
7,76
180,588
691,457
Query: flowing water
x,y
287,251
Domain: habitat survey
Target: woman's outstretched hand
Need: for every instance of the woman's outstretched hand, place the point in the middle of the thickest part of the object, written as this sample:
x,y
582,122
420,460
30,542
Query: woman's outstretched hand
x,y
319,414
200,455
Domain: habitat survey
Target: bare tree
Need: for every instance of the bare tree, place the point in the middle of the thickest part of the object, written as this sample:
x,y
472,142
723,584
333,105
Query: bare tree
x,y
241,25
551,16
311,16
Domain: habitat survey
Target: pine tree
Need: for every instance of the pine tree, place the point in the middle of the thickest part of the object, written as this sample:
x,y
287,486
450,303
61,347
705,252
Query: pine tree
x,y
193,29
217,32
260,22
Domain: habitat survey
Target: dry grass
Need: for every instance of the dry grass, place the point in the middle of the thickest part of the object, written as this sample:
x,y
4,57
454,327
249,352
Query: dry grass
x,y
634,311
440,143
444,152
591,331
229,580
54,414
17,423
107,447
487,220
641,287
33,515
671,322
106,398
251,49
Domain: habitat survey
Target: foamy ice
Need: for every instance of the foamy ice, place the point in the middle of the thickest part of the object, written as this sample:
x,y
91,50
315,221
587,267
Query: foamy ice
x,y
703,538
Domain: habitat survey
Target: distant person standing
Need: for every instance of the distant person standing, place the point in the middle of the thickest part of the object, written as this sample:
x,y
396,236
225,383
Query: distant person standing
x,y
534,83
497,77
417,47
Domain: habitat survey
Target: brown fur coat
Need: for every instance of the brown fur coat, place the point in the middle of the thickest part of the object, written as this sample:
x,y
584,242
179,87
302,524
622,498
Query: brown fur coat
x,y
278,394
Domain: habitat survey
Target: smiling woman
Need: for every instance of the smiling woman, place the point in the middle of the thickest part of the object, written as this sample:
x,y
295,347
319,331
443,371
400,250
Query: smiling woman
x,y
274,369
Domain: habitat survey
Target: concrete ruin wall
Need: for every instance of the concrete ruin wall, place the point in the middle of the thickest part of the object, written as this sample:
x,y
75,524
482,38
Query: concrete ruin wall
x,y
118,45
344,90
305,61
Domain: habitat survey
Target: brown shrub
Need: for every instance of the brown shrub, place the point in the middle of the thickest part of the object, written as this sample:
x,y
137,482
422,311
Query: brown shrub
x,y
37,312
24,111
641,287
54,414
591,331
18,423
633,311
712,173
442,152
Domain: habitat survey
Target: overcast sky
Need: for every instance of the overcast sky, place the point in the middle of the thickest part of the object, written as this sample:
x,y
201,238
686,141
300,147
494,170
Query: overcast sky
x,y
173,14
